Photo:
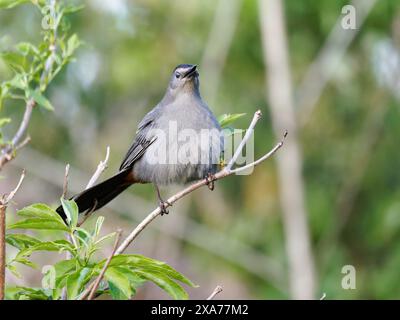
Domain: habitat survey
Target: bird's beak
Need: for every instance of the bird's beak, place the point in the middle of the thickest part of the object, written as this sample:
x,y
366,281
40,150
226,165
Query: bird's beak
x,y
191,71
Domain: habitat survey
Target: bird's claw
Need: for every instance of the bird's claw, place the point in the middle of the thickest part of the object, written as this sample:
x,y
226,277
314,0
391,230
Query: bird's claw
x,y
210,181
163,207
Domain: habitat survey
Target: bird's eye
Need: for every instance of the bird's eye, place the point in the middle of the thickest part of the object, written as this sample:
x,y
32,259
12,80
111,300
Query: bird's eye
x,y
177,75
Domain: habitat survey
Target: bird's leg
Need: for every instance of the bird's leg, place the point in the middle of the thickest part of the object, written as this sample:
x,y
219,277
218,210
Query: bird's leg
x,y
210,181
163,204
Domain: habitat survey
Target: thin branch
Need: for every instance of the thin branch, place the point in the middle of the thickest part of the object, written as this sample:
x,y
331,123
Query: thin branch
x,y
219,175
103,271
216,291
4,201
103,165
100,169
249,132
2,250
263,158
65,184
23,143
7,153
11,195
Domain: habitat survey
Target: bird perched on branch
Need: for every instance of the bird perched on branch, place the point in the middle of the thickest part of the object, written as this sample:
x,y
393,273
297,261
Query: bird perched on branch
x,y
178,141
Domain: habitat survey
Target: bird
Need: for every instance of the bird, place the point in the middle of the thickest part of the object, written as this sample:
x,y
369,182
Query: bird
x,y
179,141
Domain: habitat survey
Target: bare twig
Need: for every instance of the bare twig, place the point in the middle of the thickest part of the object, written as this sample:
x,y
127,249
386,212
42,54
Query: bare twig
x,y
100,169
216,291
249,132
4,201
103,165
7,153
219,175
65,184
107,263
2,250
11,195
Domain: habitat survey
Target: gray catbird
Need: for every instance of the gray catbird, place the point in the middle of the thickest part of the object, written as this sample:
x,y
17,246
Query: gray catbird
x,y
178,141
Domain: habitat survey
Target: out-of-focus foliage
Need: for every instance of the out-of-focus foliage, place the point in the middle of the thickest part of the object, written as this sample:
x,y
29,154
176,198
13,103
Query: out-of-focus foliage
x,y
124,274
349,148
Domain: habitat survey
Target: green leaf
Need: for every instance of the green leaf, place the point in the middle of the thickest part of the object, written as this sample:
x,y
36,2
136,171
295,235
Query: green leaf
x,y
71,211
39,224
73,8
40,99
227,119
39,210
24,293
147,264
25,48
18,81
4,121
165,283
77,281
14,270
14,60
118,279
99,223
72,44
25,262
63,269
21,241
8,4
106,237
57,245
40,216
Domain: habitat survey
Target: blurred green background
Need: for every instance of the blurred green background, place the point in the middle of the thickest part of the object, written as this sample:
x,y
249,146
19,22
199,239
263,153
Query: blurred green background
x,y
234,236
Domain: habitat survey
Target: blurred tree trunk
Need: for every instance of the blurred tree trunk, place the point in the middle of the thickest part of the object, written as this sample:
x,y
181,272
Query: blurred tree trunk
x,y
289,161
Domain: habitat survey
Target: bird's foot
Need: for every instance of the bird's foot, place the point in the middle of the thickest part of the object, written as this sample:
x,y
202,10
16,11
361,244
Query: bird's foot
x,y
210,181
163,207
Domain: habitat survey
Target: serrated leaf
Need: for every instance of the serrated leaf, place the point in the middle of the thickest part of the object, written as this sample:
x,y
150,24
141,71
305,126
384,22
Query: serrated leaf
x,y
63,269
227,119
25,293
145,263
119,280
71,211
39,224
40,216
40,99
39,210
77,281
165,283
21,241
56,245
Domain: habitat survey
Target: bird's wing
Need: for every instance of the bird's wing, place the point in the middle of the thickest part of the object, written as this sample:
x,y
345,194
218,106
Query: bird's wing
x,y
142,140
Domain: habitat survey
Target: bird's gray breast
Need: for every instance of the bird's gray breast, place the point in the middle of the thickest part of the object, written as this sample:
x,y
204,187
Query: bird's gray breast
x,y
187,147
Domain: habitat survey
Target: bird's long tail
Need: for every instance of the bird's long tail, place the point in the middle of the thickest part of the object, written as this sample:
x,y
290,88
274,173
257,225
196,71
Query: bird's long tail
x,y
99,195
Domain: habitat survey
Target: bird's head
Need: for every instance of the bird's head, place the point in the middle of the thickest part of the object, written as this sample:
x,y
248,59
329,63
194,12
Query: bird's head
x,y
185,78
